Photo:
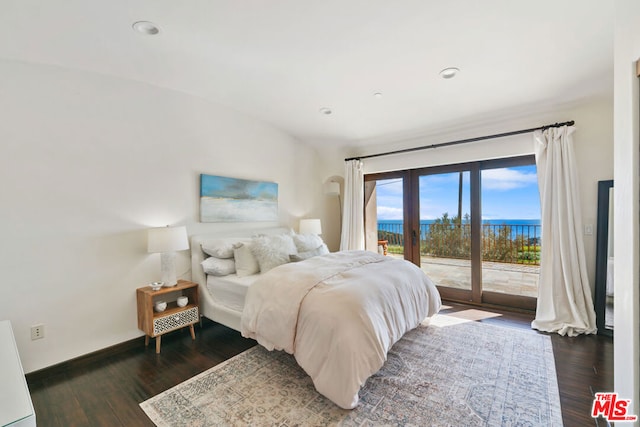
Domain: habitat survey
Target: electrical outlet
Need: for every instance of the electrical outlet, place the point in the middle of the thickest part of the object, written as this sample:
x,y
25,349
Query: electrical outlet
x,y
37,332
588,230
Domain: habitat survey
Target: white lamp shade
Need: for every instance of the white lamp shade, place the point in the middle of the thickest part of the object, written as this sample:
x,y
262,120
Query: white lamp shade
x,y
310,226
332,189
167,239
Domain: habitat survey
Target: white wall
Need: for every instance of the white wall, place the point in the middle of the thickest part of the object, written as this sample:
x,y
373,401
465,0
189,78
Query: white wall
x,y
626,231
88,162
331,165
593,141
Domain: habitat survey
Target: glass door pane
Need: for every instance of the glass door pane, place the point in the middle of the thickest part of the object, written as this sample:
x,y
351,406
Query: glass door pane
x,y
511,231
384,216
445,229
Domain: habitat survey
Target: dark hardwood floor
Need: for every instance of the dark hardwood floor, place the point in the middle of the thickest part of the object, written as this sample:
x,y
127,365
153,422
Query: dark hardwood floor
x,y
105,388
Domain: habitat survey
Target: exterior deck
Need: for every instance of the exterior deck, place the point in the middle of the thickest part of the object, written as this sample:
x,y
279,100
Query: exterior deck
x,y
515,279
510,253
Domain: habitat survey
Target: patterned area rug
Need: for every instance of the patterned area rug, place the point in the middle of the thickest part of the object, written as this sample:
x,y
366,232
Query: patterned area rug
x,y
449,373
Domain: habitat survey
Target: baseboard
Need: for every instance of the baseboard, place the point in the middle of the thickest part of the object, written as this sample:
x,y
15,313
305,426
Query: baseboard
x,y
85,359
93,357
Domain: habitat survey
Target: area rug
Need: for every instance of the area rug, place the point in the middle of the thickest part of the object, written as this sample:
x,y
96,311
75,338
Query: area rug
x,y
448,373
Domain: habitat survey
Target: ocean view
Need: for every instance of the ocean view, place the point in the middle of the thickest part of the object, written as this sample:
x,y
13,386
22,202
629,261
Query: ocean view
x,y
525,227
486,221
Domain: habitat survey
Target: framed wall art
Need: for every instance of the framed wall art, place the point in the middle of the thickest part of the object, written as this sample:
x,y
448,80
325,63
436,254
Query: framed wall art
x,y
224,199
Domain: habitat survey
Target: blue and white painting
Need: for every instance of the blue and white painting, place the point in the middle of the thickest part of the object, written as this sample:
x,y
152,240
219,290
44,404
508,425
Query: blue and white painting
x,y
225,199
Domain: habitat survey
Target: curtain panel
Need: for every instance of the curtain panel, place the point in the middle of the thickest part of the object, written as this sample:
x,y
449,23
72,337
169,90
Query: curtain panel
x,y
352,237
564,303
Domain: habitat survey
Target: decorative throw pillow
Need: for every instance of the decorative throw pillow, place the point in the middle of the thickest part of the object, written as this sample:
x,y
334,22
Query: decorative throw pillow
x,y
300,256
272,251
220,248
246,263
307,242
219,267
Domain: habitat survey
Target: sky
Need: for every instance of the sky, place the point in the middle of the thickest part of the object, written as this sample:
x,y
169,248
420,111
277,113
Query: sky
x,y
507,193
223,187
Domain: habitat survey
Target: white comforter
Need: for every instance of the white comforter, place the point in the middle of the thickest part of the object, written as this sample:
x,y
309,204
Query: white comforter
x,y
339,314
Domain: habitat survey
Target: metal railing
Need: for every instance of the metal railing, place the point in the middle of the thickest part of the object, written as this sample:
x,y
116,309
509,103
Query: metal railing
x,y
514,244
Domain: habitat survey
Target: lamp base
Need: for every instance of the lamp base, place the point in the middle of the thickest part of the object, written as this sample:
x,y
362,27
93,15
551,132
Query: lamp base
x,y
168,268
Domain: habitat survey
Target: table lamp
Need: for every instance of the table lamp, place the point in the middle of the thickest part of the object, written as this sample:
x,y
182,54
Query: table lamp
x,y
310,226
166,241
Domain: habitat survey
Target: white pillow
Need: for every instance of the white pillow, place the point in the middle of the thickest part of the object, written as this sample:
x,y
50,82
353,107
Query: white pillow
x,y
246,263
272,251
307,242
219,248
300,256
219,267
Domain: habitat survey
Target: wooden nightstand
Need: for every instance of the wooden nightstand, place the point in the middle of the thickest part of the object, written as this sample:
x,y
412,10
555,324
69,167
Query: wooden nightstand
x,y
154,324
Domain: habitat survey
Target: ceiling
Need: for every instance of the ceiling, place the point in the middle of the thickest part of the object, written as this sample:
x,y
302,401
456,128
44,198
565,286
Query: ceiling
x,y
281,61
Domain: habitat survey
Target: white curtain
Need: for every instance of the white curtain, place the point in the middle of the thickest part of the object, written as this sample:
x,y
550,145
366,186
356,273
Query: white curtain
x,y
565,305
352,237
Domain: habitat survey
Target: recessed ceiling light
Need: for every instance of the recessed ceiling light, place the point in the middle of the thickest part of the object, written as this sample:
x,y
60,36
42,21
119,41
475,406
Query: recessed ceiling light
x,y
325,111
449,72
377,95
146,27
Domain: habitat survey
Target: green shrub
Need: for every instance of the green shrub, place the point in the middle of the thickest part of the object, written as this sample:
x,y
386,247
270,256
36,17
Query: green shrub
x,y
448,237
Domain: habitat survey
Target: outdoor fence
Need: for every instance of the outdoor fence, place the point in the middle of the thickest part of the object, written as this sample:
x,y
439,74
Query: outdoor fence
x,y
515,244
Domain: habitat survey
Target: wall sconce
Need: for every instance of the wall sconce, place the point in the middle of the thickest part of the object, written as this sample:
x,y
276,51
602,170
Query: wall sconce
x,y
166,241
310,226
332,188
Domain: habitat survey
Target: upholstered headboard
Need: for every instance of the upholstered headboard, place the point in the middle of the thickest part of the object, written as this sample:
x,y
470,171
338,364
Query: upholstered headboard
x,y
197,255
208,307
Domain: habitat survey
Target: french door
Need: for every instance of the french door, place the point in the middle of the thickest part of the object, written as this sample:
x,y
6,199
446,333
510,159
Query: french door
x,y
433,217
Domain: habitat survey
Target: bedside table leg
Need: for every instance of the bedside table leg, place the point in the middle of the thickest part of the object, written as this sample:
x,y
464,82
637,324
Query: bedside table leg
x,y
193,333
158,344
146,340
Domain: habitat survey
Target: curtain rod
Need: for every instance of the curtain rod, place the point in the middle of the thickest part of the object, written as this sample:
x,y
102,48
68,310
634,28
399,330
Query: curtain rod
x,y
463,141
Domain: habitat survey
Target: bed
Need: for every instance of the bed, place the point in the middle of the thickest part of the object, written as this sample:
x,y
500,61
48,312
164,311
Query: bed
x,y
337,313
218,309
